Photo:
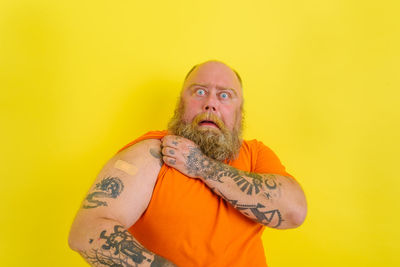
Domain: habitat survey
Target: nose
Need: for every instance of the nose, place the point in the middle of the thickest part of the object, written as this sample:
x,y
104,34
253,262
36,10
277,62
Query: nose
x,y
209,108
210,104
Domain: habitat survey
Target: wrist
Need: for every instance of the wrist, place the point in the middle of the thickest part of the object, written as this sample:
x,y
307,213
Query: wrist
x,y
208,168
197,163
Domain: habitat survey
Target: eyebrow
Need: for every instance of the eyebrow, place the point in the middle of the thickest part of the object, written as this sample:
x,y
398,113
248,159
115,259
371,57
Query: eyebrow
x,y
218,87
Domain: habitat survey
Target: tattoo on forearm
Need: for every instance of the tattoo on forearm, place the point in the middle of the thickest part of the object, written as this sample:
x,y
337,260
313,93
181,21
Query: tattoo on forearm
x,y
243,183
160,261
200,165
250,183
110,187
121,243
157,154
266,217
255,212
119,249
270,183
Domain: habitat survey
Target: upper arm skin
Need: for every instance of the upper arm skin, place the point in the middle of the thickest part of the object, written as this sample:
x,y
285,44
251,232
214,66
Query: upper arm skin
x,y
133,183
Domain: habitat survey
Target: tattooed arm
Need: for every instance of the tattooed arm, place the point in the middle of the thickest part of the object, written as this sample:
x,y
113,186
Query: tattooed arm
x,y
116,200
108,243
270,199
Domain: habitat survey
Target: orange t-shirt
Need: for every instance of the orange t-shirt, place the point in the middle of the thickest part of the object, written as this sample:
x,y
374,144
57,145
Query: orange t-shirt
x,y
190,225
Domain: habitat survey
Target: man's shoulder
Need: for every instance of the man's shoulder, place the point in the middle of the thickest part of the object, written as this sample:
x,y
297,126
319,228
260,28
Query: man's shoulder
x,y
254,146
152,135
142,154
254,143
251,144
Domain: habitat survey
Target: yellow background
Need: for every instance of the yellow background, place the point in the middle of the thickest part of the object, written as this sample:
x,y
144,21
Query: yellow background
x,y
80,79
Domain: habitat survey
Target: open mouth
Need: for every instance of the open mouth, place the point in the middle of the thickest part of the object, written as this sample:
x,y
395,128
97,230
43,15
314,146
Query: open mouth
x,y
208,123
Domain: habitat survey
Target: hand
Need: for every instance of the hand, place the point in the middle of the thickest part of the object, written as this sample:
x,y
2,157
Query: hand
x,y
182,154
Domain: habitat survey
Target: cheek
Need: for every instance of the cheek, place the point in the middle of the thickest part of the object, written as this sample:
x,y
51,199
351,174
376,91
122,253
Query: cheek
x,y
192,108
238,118
229,117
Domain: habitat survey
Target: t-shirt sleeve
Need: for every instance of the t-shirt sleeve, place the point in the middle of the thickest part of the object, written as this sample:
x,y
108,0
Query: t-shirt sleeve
x,y
148,135
268,162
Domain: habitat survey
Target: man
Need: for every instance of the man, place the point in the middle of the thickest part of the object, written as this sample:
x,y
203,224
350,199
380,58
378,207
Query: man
x,y
196,195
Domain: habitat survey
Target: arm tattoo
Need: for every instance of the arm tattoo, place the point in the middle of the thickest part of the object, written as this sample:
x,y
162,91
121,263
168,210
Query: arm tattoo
x,y
110,187
200,165
155,153
249,183
121,243
209,169
256,213
121,250
159,262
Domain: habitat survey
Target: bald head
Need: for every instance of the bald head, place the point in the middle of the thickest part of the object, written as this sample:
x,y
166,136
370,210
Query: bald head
x,y
215,63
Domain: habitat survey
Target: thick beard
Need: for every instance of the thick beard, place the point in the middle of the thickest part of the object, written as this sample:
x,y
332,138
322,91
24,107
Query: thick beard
x,y
217,144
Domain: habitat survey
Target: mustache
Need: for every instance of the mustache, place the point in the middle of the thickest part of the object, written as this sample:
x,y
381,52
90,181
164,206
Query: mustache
x,y
209,117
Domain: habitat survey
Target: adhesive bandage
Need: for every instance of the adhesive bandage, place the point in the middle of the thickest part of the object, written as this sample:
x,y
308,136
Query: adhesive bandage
x,y
126,167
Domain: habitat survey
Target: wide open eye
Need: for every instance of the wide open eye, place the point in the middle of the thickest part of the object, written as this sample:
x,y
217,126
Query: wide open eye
x,y
224,95
200,92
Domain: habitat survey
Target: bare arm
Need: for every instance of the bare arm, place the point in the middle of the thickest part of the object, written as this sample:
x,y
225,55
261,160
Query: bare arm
x,y
273,200
116,200
108,243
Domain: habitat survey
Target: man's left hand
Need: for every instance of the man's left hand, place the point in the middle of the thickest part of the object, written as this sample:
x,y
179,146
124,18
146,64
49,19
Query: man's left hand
x,y
181,154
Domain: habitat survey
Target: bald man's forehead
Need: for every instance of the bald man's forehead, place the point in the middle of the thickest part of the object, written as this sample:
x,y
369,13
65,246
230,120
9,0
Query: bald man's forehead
x,y
214,64
214,67
222,76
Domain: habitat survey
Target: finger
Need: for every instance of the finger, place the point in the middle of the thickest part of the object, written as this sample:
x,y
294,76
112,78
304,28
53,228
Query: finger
x,y
170,140
169,161
164,142
168,151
